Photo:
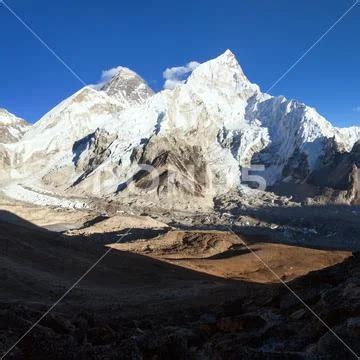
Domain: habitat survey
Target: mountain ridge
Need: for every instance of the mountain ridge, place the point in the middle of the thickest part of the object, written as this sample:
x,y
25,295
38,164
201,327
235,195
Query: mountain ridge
x,y
217,114
12,127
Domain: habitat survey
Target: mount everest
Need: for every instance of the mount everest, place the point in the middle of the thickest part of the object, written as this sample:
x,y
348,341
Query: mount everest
x,y
198,138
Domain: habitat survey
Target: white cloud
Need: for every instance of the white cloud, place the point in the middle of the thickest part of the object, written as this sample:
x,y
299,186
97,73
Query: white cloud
x,y
178,74
107,75
357,109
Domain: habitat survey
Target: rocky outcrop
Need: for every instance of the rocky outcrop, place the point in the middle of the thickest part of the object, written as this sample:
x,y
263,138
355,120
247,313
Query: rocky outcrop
x,y
340,175
91,152
172,174
262,323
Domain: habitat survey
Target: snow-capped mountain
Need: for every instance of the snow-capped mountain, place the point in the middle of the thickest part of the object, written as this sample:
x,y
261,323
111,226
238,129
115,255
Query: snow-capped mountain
x,y
199,137
127,87
12,128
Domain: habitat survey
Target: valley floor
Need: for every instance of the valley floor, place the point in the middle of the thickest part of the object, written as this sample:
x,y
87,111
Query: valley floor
x,y
182,290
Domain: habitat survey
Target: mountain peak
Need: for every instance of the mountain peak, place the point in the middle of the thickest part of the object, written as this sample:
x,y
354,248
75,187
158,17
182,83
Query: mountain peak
x,y
12,127
223,70
228,59
7,118
119,71
125,85
5,114
228,55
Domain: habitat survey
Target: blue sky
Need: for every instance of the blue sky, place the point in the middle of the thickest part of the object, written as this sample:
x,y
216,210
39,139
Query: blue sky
x,y
267,36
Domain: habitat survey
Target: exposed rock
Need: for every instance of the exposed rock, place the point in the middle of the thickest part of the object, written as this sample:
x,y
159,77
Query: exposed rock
x,y
127,87
12,128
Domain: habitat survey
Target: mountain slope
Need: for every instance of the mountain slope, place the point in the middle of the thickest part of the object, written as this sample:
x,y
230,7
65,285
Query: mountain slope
x,y
48,150
12,128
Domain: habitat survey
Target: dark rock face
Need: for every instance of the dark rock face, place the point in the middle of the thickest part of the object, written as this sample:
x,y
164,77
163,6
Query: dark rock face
x,y
336,178
297,166
269,324
340,172
177,167
337,170
185,169
97,146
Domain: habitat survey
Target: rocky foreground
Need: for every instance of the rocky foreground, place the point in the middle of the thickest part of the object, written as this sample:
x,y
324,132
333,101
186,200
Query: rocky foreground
x,y
165,292
261,323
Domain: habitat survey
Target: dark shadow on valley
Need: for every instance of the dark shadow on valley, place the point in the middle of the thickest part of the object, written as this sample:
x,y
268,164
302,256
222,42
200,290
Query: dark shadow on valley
x,y
39,265
133,306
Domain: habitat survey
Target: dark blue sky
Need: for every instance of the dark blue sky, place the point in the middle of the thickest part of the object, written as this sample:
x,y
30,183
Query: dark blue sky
x,y
267,36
